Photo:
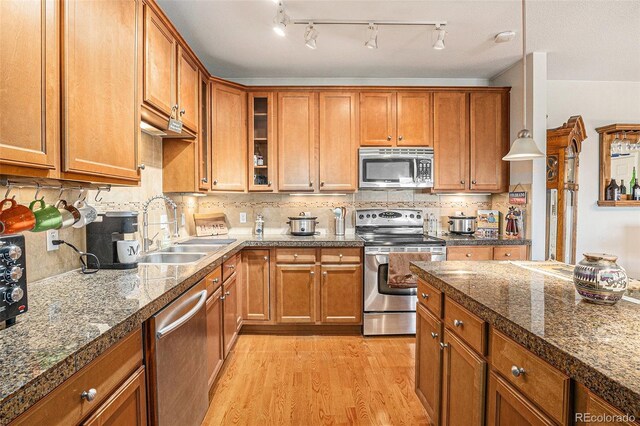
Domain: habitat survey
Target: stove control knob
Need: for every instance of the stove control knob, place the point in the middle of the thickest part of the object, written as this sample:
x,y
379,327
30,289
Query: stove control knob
x,y
361,216
411,216
11,253
418,217
373,216
11,274
14,295
368,216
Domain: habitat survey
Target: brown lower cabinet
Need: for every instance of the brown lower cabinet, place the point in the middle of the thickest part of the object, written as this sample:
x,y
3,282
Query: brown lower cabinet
x,y
341,294
215,354
428,362
504,252
296,293
463,383
506,406
256,269
230,311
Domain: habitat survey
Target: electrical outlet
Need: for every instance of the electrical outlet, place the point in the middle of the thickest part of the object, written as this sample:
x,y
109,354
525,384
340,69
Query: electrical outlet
x,y
243,217
52,234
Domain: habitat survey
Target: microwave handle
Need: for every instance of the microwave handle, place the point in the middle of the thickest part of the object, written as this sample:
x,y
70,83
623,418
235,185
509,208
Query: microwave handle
x,y
415,170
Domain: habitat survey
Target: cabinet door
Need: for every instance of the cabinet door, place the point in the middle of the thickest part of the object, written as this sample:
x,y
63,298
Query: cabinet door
x,y
598,407
160,49
297,136
255,267
463,384
378,119
188,89
470,253
415,119
204,136
29,94
338,141
262,142
215,356
229,145
341,294
102,56
489,130
126,406
296,293
506,406
230,313
428,362
450,141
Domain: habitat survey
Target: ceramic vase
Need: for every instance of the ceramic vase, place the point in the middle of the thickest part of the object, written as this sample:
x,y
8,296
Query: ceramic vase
x,y
599,279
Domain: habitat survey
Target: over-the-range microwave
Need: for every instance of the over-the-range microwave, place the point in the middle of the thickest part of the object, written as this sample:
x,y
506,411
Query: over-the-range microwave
x,y
389,168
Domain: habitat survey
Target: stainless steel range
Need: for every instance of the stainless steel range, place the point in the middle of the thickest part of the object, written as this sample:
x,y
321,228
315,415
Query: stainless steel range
x,y
390,310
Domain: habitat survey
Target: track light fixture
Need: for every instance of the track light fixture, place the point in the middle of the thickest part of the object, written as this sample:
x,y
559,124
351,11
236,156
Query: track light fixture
x,y
440,33
310,36
372,43
281,21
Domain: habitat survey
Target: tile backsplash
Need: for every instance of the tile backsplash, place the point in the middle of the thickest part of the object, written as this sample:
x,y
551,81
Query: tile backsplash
x,y
275,208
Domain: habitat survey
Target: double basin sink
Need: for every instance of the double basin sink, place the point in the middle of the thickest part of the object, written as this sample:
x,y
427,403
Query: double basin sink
x,y
188,251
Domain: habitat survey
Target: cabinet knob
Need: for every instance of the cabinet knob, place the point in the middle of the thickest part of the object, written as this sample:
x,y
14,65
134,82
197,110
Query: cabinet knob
x,y
270,183
468,254
141,166
182,112
434,335
311,184
473,182
443,346
89,395
399,138
517,371
389,137
266,258
223,297
204,180
215,182
312,273
458,323
508,254
215,280
324,273
321,183
295,255
340,255
424,295
231,266
227,293
462,182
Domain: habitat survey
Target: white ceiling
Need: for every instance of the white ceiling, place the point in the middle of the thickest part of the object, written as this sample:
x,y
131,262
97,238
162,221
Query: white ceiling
x,y
585,39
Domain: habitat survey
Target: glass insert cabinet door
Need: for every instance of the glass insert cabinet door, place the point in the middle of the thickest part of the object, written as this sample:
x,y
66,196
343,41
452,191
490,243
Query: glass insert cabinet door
x,y
262,157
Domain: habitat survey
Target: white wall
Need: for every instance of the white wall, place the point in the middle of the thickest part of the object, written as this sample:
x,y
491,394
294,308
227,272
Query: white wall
x,y
530,172
600,229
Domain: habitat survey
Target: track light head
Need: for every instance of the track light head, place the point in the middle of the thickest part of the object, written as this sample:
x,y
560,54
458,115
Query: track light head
x,y
280,21
440,33
310,36
372,43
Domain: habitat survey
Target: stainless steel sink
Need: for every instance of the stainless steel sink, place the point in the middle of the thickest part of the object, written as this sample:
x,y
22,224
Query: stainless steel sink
x,y
208,241
170,258
191,249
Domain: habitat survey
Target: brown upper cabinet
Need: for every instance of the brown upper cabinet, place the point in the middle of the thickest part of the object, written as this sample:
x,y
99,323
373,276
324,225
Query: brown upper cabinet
x,y
297,140
396,119
470,138
204,136
29,105
262,142
102,51
229,142
338,141
188,89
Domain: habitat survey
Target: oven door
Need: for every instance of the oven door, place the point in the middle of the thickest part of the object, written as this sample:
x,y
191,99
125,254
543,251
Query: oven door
x,y
387,171
378,296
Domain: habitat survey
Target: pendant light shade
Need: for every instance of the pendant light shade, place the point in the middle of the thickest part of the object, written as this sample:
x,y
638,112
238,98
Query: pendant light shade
x,y
523,148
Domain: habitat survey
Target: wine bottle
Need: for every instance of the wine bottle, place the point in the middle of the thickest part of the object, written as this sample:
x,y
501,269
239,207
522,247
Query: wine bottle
x,y
635,192
612,192
623,189
633,181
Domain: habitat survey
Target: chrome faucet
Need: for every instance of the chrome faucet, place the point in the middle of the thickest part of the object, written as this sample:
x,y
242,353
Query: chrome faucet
x,y
146,242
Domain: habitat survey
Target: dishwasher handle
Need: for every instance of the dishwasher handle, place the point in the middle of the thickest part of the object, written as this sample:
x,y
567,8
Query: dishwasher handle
x,y
186,317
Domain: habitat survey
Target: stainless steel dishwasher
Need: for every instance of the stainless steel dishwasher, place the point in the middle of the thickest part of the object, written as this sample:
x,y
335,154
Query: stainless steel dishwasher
x,y
180,359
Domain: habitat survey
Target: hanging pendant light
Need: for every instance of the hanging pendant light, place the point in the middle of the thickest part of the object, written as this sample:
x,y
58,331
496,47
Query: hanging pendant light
x,y
524,147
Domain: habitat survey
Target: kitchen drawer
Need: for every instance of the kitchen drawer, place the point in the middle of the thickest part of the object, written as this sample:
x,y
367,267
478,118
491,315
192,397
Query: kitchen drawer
x,y
341,255
470,253
229,266
545,386
292,255
510,253
430,297
65,406
213,281
465,325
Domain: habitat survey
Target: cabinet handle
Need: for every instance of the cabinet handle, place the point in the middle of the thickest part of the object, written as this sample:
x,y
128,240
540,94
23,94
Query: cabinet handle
x,y
517,371
458,323
388,138
215,280
141,166
399,138
508,254
266,258
425,295
215,182
89,395
468,255
204,180
182,112
443,346
434,335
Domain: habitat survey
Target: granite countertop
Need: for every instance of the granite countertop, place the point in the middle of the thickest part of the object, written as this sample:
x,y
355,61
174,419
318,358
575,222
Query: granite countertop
x,y
470,240
73,318
596,345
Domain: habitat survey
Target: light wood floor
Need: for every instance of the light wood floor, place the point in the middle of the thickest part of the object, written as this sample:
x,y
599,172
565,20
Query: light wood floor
x,y
313,380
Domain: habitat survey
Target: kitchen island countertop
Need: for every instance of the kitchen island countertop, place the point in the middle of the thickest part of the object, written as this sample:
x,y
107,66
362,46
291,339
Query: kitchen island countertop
x,y
596,345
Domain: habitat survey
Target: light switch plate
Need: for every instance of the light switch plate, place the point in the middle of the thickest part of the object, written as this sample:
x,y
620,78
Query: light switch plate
x,y
243,217
52,234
